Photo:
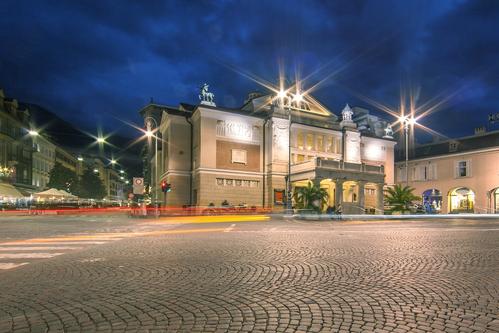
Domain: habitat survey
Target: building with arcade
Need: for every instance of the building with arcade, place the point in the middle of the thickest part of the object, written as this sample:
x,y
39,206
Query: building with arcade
x,y
457,175
210,154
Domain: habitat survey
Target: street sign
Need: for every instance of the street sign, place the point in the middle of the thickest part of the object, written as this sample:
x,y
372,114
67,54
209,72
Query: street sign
x,y
138,185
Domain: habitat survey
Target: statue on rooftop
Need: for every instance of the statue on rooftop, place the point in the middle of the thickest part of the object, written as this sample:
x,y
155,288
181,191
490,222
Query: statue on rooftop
x,y
206,97
388,132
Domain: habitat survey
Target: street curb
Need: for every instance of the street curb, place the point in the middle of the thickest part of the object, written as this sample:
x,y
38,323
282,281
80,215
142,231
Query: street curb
x,y
327,217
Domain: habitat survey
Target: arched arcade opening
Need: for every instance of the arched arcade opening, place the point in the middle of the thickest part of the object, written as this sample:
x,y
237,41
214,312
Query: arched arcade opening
x,y
461,200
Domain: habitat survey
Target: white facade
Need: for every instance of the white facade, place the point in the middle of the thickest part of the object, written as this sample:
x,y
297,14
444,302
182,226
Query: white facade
x,y
212,154
43,161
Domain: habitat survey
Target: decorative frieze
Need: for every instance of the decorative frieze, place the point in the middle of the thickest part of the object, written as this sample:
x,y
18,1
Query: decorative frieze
x,y
237,182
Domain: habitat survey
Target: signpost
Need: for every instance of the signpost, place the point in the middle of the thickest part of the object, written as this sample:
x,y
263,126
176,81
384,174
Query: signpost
x,y
138,185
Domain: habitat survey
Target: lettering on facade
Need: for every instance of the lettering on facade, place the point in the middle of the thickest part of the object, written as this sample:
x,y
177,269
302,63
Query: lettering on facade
x,y
237,130
494,117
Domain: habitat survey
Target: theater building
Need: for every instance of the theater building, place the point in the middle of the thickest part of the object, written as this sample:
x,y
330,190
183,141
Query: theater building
x,y
458,175
210,154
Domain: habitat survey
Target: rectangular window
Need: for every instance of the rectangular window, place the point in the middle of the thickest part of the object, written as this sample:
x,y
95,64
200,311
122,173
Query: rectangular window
x,y
463,168
337,145
401,174
300,140
320,143
239,156
310,141
329,144
433,171
300,158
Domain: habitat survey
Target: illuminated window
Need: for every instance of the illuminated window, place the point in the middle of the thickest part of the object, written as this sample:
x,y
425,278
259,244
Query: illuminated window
x,y
300,140
310,141
329,144
320,143
300,158
337,145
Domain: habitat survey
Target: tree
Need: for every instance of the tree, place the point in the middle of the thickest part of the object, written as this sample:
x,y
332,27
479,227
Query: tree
x,y
310,197
62,178
91,185
400,197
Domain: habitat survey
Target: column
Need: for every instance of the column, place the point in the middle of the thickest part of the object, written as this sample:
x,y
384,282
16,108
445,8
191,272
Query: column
x,y
361,185
338,200
380,197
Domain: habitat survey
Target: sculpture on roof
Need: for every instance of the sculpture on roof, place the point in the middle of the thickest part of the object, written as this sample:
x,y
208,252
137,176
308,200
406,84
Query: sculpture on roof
x,y
388,132
347,113
206,97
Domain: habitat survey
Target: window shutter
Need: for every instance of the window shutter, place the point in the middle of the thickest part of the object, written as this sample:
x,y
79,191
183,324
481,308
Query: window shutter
x,y
468,168
456,169
434,172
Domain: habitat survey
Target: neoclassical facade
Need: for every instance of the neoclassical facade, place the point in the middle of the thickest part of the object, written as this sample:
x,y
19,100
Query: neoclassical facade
x,y
210,154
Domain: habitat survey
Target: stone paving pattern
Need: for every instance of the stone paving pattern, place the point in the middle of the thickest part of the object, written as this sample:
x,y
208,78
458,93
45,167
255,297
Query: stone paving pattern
x,y
266,277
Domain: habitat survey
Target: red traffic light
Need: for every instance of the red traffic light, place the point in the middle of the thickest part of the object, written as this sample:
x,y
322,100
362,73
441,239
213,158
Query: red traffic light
x,y
165,187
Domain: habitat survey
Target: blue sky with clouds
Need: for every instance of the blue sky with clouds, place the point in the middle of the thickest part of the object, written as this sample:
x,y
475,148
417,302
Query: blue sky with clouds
x,y
95,61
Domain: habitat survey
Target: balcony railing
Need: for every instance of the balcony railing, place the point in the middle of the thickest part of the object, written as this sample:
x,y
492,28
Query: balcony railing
x,y
336,165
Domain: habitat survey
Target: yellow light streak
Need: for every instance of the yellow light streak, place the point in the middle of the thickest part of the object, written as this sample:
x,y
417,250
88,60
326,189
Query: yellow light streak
x,y
211,219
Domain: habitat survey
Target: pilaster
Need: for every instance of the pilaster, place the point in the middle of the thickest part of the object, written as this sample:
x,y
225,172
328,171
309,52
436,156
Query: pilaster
x,y
338,200
362,195
380,196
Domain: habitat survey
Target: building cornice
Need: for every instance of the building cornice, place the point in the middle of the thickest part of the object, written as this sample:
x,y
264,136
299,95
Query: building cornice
x,y
217,114
317,129
488,150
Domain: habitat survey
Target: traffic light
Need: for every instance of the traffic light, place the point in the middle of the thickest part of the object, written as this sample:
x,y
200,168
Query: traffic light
x,y
165,187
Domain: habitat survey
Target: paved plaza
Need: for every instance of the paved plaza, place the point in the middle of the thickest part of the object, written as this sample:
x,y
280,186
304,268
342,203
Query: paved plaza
x,y
87,274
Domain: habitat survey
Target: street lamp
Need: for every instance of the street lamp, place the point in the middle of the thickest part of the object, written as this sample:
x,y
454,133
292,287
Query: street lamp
x,y
113,161
101,140
33,133
406,122
298,97
150,134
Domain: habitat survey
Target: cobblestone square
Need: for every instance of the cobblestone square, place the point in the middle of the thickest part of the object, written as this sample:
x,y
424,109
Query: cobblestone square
x,y
268,276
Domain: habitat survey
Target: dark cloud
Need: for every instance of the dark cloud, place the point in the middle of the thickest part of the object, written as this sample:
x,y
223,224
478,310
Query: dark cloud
x,y
93,61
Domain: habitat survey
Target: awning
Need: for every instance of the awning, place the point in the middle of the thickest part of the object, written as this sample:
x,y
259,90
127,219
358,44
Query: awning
x,y
7,191
54,193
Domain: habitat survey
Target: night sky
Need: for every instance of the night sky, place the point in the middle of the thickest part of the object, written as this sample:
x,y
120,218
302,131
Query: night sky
x,y
92,62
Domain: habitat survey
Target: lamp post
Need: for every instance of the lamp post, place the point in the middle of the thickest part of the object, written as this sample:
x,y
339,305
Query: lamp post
x,y
406,121
286,105
150,134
